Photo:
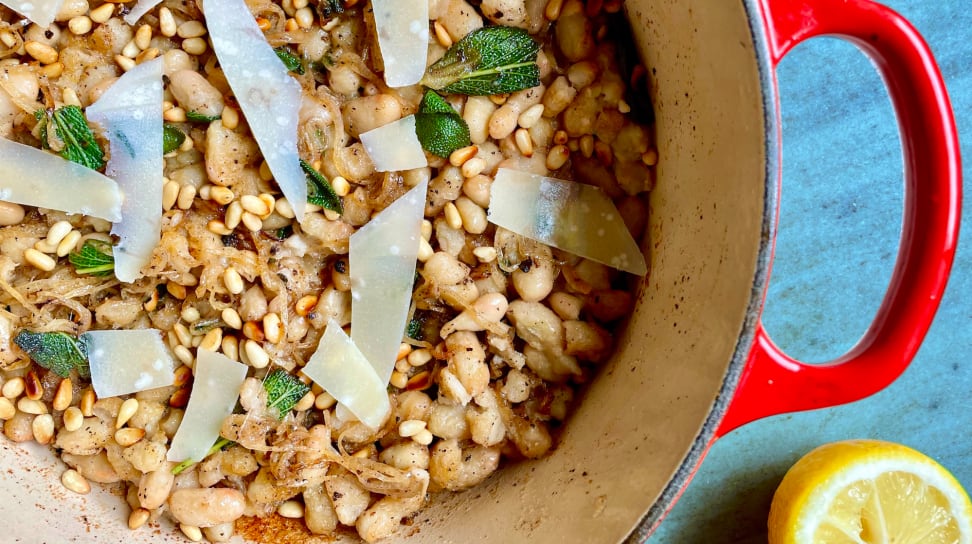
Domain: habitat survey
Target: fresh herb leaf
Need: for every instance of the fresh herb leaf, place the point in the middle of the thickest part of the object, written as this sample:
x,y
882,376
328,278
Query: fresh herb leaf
x,y
490,60
172,138
290,60
205,325
439,128
414,329
72,137
219,445
284,390
319,190
56,351
95,258
197,117
329,8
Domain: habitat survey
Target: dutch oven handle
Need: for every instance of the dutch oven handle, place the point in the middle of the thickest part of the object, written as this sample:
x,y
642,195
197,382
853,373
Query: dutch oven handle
x,y
774,383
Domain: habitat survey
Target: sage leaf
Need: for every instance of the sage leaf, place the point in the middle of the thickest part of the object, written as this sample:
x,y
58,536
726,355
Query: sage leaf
x,y
487,61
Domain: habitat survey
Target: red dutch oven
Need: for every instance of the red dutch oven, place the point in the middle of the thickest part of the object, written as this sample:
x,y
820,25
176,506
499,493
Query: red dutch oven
x,y
694,362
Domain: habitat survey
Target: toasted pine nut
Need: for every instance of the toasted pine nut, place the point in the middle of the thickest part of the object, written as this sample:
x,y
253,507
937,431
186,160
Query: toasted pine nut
x,y
442,35
176,115
137,518
324,401
557,157
125,63
461,155
39,260
216,226
170,192
306,402
74,481
587,145
57,232
252,222
258,357
233,281
232,318
41,51
485,254
221,195
30,406
180,398
650,157
43,428
192,532
272,328
304,17
305,305
177,290
183,334
291,509
410,427
529,117
283,207
102,13
80,25
73,419
86,405
341,186
191,29
33,389
425,251
13,388
552,9
69,243
194,46
129,436
64,395
473,167
253,331
230,118
231,347
186,195
143,37
127,410
183,354
523,142
7,408
398,379
423,437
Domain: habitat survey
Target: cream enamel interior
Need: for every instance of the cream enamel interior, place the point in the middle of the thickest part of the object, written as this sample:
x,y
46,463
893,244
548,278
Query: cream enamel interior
x,y
644,414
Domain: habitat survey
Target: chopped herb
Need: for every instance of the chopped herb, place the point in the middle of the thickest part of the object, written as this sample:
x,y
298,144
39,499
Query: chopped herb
x,y
283,233
205,325
197,117
284,390
220,444
490,60
72,137
329,8
94,257
414,329
56,351
319,190
172,138
439,128
290,60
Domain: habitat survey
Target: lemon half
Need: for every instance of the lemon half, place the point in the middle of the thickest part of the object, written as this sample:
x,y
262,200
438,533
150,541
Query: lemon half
x,y
869,492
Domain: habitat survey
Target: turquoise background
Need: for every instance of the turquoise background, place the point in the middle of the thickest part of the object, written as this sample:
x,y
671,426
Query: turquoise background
x,y
838,235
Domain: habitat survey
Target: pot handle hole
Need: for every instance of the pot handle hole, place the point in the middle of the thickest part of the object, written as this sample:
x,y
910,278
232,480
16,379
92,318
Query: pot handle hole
x,y
774,383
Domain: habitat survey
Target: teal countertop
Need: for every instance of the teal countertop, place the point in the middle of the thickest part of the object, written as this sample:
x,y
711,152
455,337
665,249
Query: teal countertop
x,y
838,235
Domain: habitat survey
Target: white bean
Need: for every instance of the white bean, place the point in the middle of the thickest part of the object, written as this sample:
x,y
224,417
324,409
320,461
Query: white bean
x,y
206,507
195,93
455,469
385,516
154,488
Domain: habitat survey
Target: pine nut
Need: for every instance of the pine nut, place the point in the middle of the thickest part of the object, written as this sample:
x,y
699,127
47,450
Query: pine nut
x,y
252,222
442,35
452,217
650,157
398,379
176,290
11,214
183,334
41,51
167,23
216,226
191,29
234,214
231,347
265,173
419,357
305,305
70,97
587,145
74,481
304,17
180,398
69,243
125,412
176,115
125,63
186,195
425,251
64,395
183,354
7,408
129,436
194,46
529,117
80,25
272,328
73,419
30,406
341,186
33,389
253,331
473,167
258,357
212,340
192,532
230,118
131,49
306,402
143,37
410,427
557,157
13,388
86,405
57,232
461,155
43,429
523,142
324,401
44,247
254,205
39,260
291,509
423,437
485,254
102,13
170,192
190,314
137,518
232,318
233,281
283,207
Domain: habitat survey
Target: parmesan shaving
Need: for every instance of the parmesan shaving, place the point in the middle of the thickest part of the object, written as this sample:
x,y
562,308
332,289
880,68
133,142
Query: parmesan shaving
x,y
38,178
403,37
346,374
128,361
215,390
131,113
395,146
574,217
269,97
140,8
41,12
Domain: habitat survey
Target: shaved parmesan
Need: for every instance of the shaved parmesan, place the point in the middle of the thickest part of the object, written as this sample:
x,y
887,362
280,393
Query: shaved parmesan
x,y
217,380
382,257
268,96
41,12
395,147
574,217
403,37
346,374
38,178
128,361
131,113
140,8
